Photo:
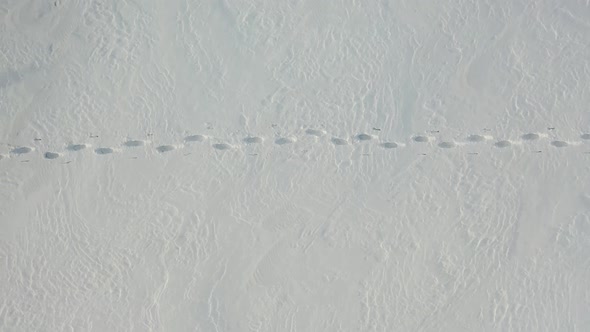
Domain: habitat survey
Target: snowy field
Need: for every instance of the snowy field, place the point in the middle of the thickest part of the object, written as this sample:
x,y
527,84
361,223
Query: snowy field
x,y
294,165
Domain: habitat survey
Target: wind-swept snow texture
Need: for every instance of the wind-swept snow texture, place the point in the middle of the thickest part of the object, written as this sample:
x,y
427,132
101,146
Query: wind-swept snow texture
x,y
294,165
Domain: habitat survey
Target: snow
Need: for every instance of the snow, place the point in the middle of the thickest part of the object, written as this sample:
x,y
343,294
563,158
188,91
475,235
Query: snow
x,y
294,165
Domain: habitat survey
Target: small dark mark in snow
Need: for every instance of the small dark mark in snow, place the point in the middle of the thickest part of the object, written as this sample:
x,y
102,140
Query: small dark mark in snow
x,y
538,151
377,129
421,154
93,136
487,129
37,139
25,161
366,154
472,153
253,154
550,128
67,162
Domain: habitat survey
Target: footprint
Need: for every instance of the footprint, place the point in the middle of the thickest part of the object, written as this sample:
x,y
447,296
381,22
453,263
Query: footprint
x,y
165,148
315,132
421,139
447,145
21,150
222,146
502,144
559,144
364,137
195,138
530,137
253,140
389,145
134,143
285,140
51,155
476,138
339,141
103,151
585,136
76,147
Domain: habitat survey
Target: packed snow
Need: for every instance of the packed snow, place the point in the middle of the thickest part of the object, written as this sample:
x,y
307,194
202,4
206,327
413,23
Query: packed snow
x,y
303,165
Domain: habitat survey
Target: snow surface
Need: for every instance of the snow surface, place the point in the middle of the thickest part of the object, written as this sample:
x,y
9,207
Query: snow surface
x,y
300,165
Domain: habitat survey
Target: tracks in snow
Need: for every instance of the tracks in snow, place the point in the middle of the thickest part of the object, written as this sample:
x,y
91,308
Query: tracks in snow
x,y
319,137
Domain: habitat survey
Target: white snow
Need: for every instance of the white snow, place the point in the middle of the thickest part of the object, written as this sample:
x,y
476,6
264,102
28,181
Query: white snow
x,y
294,165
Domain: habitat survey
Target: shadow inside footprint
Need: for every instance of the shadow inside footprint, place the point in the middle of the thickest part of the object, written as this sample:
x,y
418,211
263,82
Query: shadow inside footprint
x,y
530,137
165,148
364,137
502,144
134,143
476,138
76,147
51,155
221,146
103,151
559,144
285,140
421,139
195,138
315,132
253,140
447,145
339,141
585,136
21,150
389,145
